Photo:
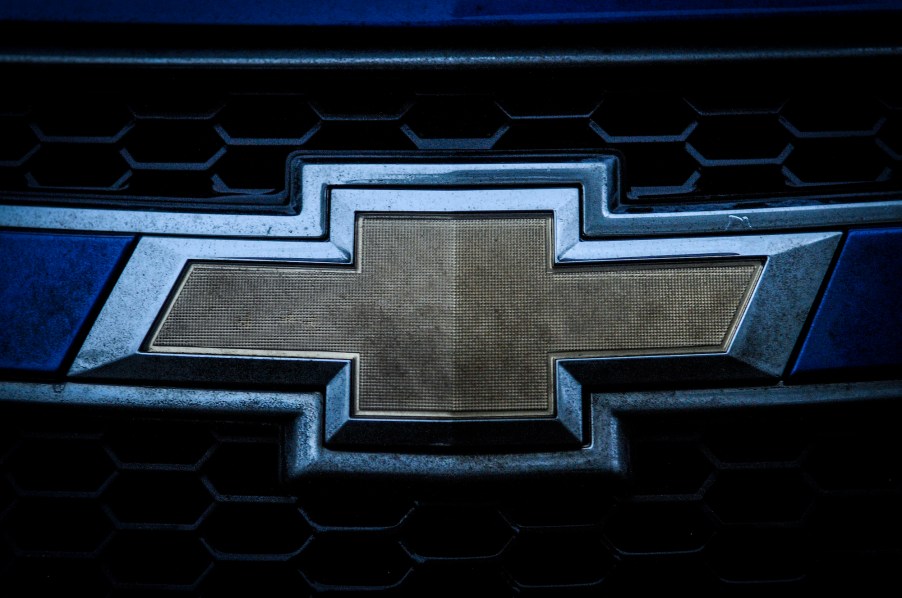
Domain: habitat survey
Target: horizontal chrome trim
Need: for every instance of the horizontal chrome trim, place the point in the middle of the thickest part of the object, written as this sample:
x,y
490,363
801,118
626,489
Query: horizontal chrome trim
x,y
432,59
325,185
795,265
313,183
305,457
289,403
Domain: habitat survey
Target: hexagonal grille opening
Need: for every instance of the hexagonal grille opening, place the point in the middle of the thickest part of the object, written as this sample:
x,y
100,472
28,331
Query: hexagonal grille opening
x,y
684,520
208,142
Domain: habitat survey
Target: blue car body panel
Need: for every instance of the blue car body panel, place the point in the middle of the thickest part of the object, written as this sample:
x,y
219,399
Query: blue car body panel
x,y
437,13
858,322
49,284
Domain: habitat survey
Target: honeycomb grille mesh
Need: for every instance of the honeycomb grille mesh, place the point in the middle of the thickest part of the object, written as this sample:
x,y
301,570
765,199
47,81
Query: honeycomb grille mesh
x,y
776,501
224,144
456,315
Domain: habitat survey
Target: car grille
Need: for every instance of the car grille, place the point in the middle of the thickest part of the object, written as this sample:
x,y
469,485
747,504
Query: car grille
x,y
220,140
795,499
119,502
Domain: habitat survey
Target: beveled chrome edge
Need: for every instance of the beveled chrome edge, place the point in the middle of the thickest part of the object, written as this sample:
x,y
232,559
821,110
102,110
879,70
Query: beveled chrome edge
x,y
306,457
742,221
765,333
158,262
314,182
145,397
151,347
657,401
794,268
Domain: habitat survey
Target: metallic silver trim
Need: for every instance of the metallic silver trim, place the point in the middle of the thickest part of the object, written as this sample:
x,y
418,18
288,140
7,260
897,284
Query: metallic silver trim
x,y
794,270
312,183
306,457
216,310
94,395
323,188
611,224
434,59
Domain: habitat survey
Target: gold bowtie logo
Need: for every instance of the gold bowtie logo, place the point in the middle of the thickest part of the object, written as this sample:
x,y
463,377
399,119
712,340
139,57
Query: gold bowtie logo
x,y
458,316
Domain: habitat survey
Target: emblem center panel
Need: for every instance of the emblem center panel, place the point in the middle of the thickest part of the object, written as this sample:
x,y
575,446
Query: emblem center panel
x,y
455,316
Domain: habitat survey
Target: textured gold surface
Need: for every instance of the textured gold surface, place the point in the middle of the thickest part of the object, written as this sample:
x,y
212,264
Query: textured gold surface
x,y
456,316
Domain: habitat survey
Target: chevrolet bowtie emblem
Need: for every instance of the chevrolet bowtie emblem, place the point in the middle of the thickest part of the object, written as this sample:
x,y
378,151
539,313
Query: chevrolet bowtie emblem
x,y
481,317
455,315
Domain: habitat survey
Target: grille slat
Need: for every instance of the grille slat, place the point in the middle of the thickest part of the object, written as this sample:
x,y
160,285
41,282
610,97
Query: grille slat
x,y
149,148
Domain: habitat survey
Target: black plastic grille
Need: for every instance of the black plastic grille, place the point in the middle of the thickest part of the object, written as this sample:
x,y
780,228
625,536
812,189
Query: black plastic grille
x,y
221,142
737,503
